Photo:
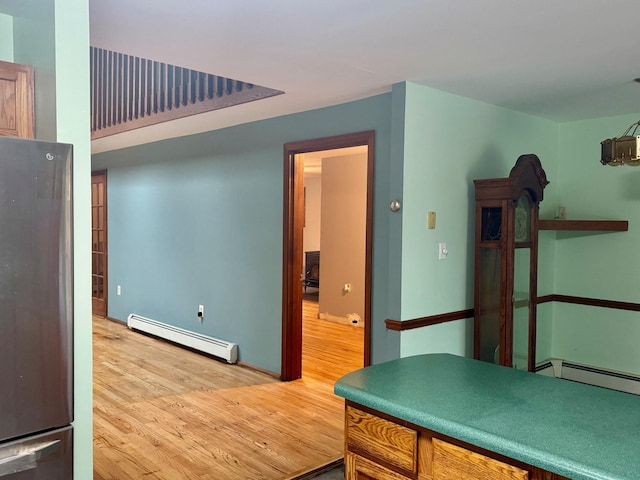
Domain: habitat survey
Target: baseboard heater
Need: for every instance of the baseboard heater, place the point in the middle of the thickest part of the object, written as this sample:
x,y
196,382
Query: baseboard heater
x,y
590,375
203,343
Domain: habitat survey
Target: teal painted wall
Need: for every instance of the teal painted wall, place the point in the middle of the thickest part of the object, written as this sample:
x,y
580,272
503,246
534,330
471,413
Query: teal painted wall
x,y
198,220
449,142
53,36
34,37
72,125
6,38
394,232
597,265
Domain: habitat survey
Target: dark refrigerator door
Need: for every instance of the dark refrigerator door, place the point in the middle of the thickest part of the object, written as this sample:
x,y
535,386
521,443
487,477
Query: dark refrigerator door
x,y
43,457
35,287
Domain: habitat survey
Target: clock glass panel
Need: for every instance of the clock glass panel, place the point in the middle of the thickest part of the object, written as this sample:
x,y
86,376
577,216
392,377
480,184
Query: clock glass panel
x,y
491,224
523,220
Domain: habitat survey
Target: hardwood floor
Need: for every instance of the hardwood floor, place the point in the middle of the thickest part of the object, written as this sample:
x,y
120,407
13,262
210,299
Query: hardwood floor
x,y
162,412
329,350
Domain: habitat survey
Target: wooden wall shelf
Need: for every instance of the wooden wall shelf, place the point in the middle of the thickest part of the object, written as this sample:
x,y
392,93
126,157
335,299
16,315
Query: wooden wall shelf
x,y
584,225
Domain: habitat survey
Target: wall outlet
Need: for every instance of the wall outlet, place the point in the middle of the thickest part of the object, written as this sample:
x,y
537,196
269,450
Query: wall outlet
x,y
200,312
118,290
562,212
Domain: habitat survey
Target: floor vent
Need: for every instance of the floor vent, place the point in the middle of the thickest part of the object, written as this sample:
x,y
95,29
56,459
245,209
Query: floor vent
x,y
213,346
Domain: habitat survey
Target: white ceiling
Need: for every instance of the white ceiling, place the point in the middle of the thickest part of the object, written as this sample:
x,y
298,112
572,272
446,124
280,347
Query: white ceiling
x,y
559,59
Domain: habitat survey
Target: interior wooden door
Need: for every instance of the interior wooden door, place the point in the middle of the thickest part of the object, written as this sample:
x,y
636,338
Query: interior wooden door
x,y
16,100
99,243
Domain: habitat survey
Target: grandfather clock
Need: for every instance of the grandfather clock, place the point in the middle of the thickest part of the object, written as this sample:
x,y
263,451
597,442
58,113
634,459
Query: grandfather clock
x,y
506,265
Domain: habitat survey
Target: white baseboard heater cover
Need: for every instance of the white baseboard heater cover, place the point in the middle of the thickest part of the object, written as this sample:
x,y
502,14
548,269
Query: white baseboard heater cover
x,y
213,346
600,377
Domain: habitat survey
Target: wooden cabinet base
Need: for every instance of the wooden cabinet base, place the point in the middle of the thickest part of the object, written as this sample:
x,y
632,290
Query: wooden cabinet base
x,y
371,438
451,461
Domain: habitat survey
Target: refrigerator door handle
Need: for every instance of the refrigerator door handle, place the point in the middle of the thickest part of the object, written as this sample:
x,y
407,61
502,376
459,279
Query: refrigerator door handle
x,y
27,458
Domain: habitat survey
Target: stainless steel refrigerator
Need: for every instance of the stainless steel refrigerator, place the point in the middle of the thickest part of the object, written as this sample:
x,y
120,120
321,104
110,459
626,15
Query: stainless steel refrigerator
x,y
36,311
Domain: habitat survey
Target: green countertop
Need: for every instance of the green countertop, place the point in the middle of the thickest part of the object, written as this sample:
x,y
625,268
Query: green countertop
x,y
579,431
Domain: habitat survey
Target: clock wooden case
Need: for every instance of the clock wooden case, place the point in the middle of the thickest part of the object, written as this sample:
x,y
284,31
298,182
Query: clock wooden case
x,y
506,264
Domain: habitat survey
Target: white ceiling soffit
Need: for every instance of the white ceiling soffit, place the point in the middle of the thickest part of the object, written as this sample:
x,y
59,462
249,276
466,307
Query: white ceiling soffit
x,y
562,60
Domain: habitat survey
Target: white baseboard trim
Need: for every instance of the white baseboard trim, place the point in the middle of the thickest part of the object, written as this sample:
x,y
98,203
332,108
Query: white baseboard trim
x,y
599,377
351,319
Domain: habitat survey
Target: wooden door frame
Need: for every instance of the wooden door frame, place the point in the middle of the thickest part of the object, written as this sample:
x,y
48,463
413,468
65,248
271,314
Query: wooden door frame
x,y
293,221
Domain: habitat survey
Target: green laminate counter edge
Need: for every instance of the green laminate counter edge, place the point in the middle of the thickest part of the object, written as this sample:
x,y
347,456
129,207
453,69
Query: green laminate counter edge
x,y
575,430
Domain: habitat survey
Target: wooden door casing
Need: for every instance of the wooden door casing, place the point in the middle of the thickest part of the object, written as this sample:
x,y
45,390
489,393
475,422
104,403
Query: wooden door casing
x,y
293,216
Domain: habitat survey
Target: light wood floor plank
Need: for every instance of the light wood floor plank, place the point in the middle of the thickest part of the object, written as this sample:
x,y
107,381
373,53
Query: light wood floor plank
x,y
163,412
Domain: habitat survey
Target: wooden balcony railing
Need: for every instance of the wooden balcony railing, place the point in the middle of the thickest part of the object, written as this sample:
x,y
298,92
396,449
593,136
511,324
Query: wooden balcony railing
x,y
129,92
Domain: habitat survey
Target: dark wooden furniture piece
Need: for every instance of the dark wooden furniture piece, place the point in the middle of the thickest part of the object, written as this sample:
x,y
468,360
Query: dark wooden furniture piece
x,y
506,262
17,117
311,270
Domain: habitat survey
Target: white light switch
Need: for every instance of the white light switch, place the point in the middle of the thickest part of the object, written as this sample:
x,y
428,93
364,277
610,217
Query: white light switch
x,y
442,251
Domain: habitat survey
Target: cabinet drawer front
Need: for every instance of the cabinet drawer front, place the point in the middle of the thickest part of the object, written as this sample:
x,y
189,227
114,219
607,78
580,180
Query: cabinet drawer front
x,y
453,462
381,439
358,468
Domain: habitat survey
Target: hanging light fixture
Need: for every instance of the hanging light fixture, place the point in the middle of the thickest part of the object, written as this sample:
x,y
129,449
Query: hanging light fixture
x,y
623,150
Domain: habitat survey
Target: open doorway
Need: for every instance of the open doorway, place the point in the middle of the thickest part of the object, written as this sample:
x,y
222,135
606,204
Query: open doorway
x,y
295,251
335,200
